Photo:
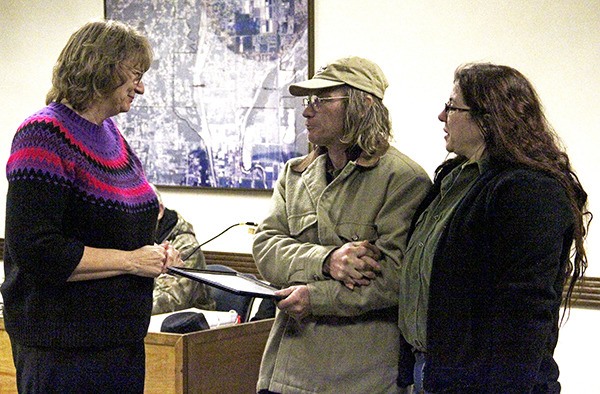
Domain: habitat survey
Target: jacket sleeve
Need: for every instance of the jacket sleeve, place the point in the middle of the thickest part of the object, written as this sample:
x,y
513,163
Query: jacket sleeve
x,y
532,221
392,223
282,259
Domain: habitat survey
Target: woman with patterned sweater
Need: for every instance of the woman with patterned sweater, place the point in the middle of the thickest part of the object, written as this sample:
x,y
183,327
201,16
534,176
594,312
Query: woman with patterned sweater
x,y
80,219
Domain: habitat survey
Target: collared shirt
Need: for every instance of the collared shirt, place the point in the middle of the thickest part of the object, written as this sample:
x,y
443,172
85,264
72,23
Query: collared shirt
x,y
416,272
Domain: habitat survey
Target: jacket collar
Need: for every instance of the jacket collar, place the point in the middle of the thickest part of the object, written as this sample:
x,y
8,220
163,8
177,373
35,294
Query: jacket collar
x,y
354,154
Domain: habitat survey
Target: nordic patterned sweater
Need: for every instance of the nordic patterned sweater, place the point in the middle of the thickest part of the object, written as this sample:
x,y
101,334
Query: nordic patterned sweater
x,y
72,184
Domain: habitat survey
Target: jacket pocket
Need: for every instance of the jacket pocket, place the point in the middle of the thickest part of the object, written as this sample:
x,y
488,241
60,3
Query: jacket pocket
x,y
300,223
350,232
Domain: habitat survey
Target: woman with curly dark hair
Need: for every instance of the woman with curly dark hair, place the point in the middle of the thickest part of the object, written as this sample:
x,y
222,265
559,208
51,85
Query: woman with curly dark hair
x,y
493,244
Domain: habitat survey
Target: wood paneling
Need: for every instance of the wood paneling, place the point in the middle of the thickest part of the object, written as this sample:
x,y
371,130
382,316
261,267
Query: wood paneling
x,y
7,367
586,293
220,360
241,262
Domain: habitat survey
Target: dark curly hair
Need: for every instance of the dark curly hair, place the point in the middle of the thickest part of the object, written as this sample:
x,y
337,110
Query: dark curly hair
x,y
509,113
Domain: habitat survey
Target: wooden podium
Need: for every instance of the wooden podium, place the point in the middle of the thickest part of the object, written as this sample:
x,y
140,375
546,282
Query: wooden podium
x,y
7,367
219,360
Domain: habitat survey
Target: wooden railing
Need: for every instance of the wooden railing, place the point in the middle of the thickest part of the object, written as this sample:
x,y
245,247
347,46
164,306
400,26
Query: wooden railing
x,y
241,262
585,295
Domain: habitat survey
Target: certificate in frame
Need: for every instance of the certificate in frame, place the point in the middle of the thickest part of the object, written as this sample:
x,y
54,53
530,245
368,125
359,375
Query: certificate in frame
x,y
233,282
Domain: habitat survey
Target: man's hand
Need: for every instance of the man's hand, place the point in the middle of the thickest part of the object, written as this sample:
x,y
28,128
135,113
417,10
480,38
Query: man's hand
x,y
354,264
296,302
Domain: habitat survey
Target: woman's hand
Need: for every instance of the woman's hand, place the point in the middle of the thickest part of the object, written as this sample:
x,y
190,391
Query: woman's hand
x,y
173,257
149,260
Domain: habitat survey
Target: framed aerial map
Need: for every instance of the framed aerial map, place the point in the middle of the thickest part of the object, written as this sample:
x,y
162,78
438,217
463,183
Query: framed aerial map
x,y
216,111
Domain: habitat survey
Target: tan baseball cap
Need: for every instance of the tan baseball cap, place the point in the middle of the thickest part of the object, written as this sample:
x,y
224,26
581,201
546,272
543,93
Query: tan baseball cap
x,y
357,72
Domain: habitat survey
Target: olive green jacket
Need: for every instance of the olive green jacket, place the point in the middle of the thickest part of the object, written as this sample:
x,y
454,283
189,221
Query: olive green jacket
x,y
350,343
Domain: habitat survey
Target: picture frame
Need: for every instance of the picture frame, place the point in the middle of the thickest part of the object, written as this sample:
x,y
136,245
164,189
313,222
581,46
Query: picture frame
x,y
216,111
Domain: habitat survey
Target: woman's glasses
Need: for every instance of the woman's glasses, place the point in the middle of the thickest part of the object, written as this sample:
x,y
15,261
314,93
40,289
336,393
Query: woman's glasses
x,y
137,76
449,107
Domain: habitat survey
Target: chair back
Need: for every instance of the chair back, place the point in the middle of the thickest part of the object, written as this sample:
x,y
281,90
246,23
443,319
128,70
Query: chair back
x,y
226,300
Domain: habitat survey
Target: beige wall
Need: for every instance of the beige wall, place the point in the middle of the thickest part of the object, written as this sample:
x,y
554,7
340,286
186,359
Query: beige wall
x,y
418,43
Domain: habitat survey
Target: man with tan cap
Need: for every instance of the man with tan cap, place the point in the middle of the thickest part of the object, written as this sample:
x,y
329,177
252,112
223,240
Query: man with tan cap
x,y
335,239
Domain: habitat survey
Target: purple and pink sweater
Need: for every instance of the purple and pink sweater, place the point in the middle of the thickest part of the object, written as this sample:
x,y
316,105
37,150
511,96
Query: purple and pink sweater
x,y
72,184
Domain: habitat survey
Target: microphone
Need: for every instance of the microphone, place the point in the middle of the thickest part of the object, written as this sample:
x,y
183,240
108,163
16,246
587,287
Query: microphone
x,y
251,224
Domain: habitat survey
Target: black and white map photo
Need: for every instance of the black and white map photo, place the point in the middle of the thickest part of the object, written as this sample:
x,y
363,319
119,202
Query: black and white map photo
x,y
216,111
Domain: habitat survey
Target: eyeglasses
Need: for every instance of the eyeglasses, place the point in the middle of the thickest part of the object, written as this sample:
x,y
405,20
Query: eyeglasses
x,y
315,102
138,75
449,107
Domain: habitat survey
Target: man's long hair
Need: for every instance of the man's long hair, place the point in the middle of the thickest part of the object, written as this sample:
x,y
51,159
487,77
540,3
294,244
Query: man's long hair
x,y
367,123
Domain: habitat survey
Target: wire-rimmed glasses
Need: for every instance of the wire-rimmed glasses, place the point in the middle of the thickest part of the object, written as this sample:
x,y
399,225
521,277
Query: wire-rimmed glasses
x,y
315,101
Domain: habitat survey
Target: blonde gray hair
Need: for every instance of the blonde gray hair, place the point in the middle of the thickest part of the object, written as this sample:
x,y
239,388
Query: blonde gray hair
x,y
366,122
93,62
